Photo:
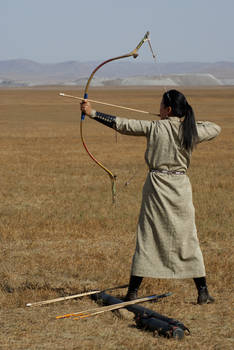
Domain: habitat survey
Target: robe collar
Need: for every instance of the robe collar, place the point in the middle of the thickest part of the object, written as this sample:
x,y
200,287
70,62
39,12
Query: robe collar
x,y
176,119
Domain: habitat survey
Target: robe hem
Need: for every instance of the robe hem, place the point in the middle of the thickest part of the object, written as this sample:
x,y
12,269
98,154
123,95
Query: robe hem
x,y
169,276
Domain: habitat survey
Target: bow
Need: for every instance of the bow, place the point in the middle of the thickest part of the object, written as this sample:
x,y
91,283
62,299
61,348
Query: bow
x,y
134,54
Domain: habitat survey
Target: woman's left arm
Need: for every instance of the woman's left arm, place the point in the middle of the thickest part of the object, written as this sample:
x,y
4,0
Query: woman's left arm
x,y
122,125
133,126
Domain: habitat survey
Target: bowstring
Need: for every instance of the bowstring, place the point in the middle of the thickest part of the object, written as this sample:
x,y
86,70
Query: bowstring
x,y
156,61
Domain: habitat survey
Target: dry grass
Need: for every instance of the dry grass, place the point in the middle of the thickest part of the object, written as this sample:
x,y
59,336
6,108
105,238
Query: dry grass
x,y
59,233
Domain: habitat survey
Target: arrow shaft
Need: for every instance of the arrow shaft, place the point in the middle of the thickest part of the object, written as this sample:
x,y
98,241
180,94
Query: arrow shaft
x,y
44,302
107,104
97,311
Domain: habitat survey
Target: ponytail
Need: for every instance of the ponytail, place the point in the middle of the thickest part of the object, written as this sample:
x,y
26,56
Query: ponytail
x,y
189,129
180,108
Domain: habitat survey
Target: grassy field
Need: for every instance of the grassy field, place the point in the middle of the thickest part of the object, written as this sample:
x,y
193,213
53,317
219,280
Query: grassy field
x,y
60,233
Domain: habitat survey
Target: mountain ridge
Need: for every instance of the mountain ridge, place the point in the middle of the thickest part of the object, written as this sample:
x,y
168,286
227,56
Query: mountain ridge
x,y
25,71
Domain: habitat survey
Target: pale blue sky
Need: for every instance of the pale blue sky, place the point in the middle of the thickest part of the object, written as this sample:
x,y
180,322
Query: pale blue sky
x,y
62,30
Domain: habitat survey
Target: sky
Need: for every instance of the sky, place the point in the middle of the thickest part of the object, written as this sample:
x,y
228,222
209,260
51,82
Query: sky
x,y
49,31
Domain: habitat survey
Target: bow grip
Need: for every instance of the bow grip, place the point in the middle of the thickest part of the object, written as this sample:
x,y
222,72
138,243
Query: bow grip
x,y
83,114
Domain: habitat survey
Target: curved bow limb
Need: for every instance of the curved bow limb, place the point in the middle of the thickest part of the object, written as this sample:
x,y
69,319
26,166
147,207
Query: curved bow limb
x,y
134,54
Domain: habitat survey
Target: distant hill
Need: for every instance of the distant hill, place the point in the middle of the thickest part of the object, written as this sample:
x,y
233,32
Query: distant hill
x,y
23,72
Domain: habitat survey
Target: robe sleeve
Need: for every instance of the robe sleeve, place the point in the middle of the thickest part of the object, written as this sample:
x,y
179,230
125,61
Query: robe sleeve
x,y
207,131
133,127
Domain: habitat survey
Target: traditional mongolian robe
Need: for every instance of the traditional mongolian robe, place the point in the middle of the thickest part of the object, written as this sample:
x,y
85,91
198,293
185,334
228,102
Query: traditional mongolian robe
x,y
167,244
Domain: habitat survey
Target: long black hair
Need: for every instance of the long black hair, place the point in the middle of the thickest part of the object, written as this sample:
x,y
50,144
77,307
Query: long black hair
x,y
180,108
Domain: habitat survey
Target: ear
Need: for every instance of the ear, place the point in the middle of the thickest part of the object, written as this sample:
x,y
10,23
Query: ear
x,y
169,110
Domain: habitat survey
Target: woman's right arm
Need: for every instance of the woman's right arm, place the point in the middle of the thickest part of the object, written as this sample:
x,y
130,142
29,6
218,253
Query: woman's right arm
x,y
207,131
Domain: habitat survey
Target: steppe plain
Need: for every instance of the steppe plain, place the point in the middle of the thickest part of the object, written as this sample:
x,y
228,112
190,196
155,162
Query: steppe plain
x,y
60,233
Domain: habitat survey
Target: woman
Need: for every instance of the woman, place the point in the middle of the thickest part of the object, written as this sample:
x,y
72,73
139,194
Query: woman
x,y
167,244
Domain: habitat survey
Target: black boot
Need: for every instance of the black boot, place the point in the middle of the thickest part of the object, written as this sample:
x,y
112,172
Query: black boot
x,y
134,284
203,294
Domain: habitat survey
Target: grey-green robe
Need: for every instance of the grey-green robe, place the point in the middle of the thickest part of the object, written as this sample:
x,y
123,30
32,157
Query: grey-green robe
x,y
167,244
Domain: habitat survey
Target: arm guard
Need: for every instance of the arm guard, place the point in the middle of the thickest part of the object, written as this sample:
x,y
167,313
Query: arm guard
x,y
106,119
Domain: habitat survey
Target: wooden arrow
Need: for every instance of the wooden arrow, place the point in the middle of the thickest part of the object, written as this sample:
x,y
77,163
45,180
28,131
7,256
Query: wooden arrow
x,y
97,311
108,104
39,303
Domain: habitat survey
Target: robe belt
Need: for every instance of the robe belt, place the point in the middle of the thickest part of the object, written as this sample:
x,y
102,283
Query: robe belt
x,y
169,172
